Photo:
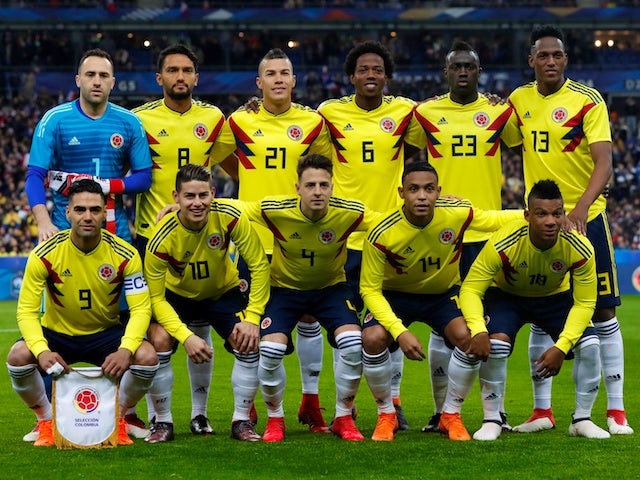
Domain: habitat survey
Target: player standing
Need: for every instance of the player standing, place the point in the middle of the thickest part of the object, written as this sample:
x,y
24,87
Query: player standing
x,y
566,137
84,271
180,130
372,134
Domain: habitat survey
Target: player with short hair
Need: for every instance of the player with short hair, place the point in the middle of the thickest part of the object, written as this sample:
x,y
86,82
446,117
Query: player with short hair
x,y
524,274
463,134
88,138
410,272
560,118
307,277
267,142
372,135
192,279
84,270
180,130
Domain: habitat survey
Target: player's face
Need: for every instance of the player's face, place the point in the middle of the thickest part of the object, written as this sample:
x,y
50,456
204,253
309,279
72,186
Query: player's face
x,y
86,213
194,200
276,80
95,80
462,72
369,77
315,188
178,76
545,219
419,190
548,60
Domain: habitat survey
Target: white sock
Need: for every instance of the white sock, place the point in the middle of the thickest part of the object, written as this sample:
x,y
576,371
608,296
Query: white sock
x,y
29,385
493,375
200,375
439,355
348,371
244,380
309,347
539,342
377,372
586,375
160,392
135,382
272,376
397,367
612,359
463,370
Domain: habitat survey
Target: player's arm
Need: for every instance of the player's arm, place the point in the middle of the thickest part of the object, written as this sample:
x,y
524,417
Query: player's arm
x,y
155,270
35,190
493,220
371,278
230,165
322,143
246,333
223,149
29,304
585,292
602,171
136,291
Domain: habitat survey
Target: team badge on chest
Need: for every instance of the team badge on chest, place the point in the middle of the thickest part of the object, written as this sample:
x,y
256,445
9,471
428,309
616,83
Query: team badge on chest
x,y
200,131
116,140
327,236
447,236
481,119
106,272
214,241
294,132
559,115
558,266
387,125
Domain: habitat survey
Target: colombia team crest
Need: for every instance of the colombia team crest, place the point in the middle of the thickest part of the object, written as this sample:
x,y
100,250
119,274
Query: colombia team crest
x,y
447,236
481,119
200,131
327,236
214,241
558,266
116,140
294,132
106,272
387,125
559,114
86,400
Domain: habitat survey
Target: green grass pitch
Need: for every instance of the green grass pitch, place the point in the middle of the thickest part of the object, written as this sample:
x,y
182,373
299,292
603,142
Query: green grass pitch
x,y
413,455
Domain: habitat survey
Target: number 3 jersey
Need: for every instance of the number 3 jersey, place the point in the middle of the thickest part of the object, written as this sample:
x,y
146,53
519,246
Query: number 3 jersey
x,y
268,147
175,139
196,264
83,290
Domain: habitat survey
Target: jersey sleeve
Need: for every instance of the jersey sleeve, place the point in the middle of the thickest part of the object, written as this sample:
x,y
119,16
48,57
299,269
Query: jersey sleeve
x,y
139,155
43,143
596,124
322,144
250,248
371,277
511,133
137,293
585,292
478,280
224,145
415,134
155,270
493,220
29,304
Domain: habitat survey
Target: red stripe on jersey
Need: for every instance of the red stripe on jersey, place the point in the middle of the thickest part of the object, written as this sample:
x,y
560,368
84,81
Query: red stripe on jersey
x,y
314,134
517,115
151,140
576,134
578,264
335,135
507,269
458,246
276,233
392,258
216,130
429,130
118,280
52,279
174,263
242,149
351,228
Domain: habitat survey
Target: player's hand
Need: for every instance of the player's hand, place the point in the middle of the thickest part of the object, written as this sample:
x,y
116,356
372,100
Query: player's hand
x,y
197,349
104,183
577,219
117,363
252,105
165,210
61,181
46,230
244,337
494,99
411,346
480,346
550,362
48,359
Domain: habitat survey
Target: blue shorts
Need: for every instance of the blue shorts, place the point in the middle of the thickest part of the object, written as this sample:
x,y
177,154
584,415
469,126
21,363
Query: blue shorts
x,y
220,314
92,348
469,253
331,306
508,313
436,310
352,270
600,237
245,274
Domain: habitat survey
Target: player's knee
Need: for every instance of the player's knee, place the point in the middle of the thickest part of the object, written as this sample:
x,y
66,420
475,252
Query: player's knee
x,y
20,355
375,339
145,355
159,338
